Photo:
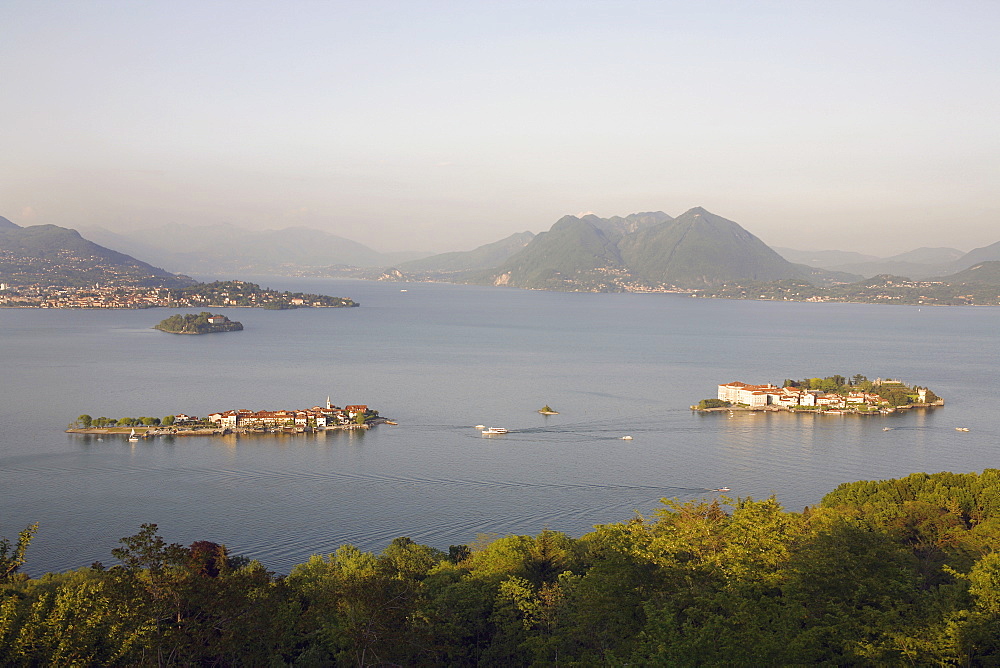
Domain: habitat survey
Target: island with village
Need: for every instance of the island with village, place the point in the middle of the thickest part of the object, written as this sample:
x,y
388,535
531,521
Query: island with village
x,y
235,421
833,395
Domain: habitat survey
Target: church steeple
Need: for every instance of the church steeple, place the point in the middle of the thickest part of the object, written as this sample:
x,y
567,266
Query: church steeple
x,y
328,404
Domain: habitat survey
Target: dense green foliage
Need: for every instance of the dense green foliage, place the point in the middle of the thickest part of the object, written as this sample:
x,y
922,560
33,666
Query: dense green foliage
x,y
191,323
881,573
712,403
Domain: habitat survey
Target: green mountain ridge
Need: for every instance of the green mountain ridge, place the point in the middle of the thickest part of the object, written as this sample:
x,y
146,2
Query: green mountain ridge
x,y
646,251
699,248
573,252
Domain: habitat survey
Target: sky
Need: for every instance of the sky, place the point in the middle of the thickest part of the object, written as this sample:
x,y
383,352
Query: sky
x,y
439,126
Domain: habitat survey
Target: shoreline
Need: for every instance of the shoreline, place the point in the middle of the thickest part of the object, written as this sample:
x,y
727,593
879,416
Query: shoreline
x,y
150,431
797,409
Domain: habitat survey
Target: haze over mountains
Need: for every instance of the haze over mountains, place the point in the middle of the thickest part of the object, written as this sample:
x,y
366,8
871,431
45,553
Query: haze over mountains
x,y
920,263
638,252
224,249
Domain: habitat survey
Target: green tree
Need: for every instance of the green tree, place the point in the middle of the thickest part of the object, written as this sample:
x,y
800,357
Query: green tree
x,y
12,555
85,421
167,421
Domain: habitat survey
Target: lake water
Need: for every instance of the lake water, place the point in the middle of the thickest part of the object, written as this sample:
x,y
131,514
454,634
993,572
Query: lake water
x,y
440,359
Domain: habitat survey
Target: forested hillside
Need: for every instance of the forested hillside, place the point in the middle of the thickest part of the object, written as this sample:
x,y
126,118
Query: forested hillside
x,y
881,573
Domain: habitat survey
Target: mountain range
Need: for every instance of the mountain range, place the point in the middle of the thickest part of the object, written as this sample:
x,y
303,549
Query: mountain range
x,y
649,251
642,251
227,249
920,263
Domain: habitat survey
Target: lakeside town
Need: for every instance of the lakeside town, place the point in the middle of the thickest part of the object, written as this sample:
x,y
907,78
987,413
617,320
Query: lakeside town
x,y
831,395
237,421
117,296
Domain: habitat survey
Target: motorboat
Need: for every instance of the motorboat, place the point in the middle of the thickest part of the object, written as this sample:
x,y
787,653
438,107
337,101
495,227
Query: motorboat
x,y
721,489
626,438
492,431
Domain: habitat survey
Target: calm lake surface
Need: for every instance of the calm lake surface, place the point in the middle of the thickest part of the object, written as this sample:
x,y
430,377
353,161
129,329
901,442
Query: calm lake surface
x,y
440,359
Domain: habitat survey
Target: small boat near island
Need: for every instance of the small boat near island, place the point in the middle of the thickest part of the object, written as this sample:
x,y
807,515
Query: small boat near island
x,y
721,489
132,438
493,431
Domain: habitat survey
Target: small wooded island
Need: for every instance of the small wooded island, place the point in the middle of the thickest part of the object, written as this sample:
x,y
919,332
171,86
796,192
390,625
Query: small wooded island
x,y
201,323
831,395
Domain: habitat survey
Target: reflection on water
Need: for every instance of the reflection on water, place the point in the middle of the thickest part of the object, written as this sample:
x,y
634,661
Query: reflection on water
x,y
439,360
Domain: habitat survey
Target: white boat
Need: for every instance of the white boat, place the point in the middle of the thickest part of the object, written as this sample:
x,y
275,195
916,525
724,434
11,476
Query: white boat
x,y
494,430
961,429
886,428
132,438
480,427
626,438
721,489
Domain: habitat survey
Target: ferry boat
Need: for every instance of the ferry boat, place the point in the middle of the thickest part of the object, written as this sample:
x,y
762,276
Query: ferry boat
x,y
494,430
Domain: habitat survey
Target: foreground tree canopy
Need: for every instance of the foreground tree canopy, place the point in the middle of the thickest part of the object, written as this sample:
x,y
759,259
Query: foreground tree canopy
x,y
881,573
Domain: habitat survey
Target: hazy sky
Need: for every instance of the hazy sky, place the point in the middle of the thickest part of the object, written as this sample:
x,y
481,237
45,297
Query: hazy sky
x,y
871,126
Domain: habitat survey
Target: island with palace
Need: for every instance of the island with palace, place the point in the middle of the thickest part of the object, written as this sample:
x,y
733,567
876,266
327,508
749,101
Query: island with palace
x,y
830,395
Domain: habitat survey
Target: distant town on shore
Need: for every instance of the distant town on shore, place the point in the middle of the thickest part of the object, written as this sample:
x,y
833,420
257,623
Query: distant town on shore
x,y
830,395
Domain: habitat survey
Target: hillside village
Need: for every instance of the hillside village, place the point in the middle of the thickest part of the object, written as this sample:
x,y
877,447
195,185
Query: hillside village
x,y
827,395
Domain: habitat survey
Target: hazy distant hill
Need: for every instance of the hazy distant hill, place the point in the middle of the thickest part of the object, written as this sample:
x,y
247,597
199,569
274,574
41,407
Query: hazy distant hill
x,y
481,258
60,256
918,264
823,259
984,273
928,256
220,249
977,255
